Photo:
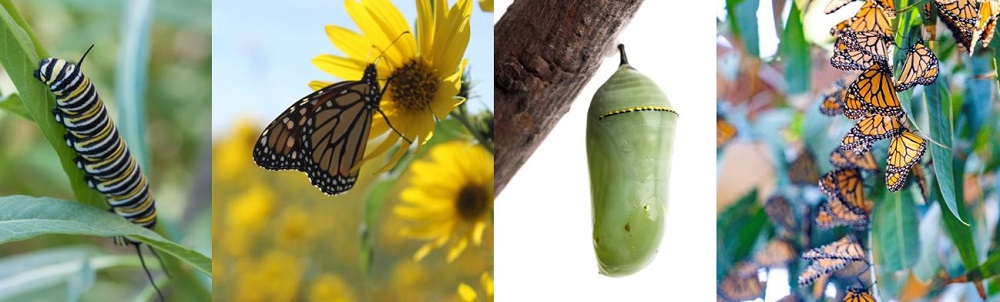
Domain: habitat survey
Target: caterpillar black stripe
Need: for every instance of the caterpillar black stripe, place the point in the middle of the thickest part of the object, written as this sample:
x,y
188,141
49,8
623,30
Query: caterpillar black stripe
x,y
101,152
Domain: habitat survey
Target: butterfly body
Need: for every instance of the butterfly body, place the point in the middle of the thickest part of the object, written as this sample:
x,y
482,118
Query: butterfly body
x,y
324,134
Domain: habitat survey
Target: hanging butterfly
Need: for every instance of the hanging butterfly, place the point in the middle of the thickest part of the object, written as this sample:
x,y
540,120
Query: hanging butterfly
x,y
846,158
802,170
324,134
833,99
846,185
960,16
776,253
834,213
920,67
889,6
740,284
780,211
989,10
905,150
855,294
875,92
832,257
872,128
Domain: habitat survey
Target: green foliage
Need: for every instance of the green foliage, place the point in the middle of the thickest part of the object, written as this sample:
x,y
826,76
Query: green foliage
x,y
25,217
795,51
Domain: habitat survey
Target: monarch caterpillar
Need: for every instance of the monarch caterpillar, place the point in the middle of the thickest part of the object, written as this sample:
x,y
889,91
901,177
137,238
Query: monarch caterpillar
x,y
630,133
102,154
324,134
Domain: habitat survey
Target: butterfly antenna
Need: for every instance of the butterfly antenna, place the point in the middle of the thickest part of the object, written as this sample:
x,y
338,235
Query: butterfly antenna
x,y
148,274
381,54
80,63
163,265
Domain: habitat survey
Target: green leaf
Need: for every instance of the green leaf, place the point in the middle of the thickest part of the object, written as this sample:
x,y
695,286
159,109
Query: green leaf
x,y
14,105
928,264
961,233
795,53
989,268
743,23
738,228
937,99
894,228
978,97
19,56
36,272
130,78
26,217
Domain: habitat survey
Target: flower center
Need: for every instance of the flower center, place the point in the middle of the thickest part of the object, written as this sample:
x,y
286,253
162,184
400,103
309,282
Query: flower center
x,y
471,202
413,85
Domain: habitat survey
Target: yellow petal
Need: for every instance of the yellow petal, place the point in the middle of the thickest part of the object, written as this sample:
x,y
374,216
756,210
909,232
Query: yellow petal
x,y
317,85
444,98
350,43
422,252
486,5
381,22
452,37
487,283
466,292
457,249
346,69
477,232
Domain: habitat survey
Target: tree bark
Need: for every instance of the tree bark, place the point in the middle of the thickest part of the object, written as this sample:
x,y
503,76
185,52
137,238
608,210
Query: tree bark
x,y
544,53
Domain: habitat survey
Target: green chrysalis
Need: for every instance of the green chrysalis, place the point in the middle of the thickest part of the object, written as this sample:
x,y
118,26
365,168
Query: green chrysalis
x,y
630,138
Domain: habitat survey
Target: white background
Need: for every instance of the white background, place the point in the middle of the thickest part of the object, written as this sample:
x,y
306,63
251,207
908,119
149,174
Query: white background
x,y
543,227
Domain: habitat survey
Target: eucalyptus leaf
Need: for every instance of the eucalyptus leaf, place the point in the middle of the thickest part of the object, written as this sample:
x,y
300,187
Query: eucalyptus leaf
x,y
894,230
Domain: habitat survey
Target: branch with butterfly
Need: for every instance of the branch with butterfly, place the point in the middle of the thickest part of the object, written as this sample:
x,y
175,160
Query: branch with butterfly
x,y
916,105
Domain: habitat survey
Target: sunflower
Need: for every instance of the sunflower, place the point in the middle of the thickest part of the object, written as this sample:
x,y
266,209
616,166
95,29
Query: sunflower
x,y
449,198
425,67
467,293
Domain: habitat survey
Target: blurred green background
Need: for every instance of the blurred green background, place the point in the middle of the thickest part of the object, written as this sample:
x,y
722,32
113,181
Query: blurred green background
x,y
174,91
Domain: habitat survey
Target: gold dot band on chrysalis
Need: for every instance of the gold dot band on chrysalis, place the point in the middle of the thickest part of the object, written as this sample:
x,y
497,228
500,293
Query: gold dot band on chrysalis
x,y
636,108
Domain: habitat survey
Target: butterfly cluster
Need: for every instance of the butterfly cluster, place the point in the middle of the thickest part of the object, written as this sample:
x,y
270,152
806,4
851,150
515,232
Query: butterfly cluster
x,y
863,47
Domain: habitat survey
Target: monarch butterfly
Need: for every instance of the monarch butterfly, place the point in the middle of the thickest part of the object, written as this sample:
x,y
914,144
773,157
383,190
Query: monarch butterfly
x,y
846,185
930,17
960,16
780,210
741,284
870,129
876,90
846,248
846,158
324,134
776,253
821,267
872,17
832,257
860,50
888,6
855,294
920,67
905,150
102,154
834,213
724,131
833,99
630,131
986,23
803,169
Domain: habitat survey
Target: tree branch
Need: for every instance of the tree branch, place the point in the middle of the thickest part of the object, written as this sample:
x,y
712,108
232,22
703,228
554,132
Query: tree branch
x,y
544,53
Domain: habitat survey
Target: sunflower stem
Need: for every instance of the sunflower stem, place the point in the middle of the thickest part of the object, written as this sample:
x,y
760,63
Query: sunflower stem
x,y
463,118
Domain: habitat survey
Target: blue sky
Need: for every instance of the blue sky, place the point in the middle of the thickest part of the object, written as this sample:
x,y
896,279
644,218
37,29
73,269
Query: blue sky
x,y
262,52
